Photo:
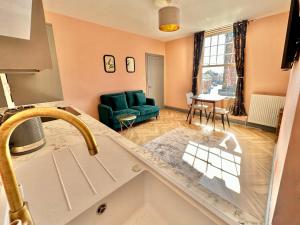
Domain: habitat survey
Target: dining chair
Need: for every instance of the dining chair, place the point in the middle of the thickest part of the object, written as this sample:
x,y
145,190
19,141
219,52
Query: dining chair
x,y
200,107
223,111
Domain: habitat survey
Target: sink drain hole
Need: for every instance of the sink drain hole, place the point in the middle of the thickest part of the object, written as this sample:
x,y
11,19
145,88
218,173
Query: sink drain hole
x,y
101,209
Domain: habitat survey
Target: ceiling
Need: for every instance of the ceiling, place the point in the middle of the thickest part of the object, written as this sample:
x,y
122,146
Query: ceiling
x,y
141,16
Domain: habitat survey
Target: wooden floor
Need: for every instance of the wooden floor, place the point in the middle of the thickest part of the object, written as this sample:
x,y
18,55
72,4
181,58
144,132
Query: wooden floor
x,y
171,119
256,144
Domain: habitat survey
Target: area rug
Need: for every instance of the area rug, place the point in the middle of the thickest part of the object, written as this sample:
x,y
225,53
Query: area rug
x,y
216,161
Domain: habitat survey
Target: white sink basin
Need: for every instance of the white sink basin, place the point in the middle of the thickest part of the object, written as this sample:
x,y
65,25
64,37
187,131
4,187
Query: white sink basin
x,y
146,200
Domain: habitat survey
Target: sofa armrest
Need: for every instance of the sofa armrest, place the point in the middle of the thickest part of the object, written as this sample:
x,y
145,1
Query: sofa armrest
x,y
150,101
105,114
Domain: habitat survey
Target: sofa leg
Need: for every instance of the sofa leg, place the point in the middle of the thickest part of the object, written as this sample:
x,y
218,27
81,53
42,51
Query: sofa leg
x,y
157,117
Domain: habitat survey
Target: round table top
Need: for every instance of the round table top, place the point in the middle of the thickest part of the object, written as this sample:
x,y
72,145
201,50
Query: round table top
x,y
127,117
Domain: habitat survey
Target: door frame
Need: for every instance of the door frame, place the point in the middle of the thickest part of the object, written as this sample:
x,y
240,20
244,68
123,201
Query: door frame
x,y
147,77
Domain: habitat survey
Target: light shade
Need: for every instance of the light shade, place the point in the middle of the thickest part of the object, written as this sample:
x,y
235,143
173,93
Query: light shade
x,y
169,19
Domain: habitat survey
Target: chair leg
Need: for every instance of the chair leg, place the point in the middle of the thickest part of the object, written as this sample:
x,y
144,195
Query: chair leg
x,y
194,113
207,119
189,113
205,113
222,116
200,116
228,120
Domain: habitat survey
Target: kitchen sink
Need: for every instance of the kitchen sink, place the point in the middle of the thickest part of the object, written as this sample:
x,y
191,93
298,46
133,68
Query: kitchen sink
x,y
147,200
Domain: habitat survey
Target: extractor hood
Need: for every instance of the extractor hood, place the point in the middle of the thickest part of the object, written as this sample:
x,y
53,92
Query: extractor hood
x,y
25,49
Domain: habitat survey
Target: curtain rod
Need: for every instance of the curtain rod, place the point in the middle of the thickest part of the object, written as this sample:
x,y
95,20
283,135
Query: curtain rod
x,y
222,29
219,30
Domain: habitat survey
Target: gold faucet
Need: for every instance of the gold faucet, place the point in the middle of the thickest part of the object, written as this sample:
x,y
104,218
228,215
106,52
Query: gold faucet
x,y
19,208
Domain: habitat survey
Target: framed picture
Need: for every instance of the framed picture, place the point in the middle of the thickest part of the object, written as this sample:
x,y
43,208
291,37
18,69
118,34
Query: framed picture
x,y
130,64
109,63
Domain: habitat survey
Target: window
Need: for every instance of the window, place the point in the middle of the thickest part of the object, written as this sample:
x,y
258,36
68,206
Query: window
x,y
218,67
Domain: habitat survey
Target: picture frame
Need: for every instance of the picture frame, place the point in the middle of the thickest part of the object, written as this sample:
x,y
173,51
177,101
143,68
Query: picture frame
x,y
109,63
130,64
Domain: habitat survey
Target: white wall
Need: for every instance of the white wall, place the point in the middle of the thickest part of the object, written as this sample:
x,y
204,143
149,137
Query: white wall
x,y
284,140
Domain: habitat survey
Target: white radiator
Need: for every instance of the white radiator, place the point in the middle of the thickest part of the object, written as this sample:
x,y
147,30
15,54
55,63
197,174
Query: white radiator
x,y
264,109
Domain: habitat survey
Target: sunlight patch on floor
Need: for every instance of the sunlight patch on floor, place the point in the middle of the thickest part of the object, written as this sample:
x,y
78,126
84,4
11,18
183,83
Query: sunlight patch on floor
x,y
214,162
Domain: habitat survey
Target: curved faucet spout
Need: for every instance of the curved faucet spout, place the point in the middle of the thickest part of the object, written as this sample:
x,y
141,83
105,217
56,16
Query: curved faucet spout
x,y
18,208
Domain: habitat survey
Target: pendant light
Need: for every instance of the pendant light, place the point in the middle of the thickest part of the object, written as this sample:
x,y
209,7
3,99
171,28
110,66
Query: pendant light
x,y
169,19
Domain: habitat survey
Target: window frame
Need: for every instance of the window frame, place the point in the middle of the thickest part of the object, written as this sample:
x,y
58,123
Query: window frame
x,y
211,34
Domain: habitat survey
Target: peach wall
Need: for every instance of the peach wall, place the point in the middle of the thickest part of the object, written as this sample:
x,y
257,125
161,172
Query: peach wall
x,y
264,48
179,68
265,41
80,47
287,144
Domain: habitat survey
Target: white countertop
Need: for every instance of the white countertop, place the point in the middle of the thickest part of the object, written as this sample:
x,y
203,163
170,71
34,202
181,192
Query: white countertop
x,y
86,181
74,179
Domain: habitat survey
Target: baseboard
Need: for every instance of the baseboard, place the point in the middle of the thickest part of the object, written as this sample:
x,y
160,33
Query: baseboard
x,y
262,127
240,122
176,109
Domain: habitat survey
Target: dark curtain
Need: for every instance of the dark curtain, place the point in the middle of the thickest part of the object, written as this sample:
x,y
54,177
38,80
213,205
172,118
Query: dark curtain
x,y
198,44
239,35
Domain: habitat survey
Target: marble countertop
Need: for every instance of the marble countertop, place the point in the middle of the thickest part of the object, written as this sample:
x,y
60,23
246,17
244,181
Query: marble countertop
x,y
220,207
64,141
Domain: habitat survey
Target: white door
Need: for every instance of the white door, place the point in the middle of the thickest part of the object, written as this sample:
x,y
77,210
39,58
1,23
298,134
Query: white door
x,y
155,78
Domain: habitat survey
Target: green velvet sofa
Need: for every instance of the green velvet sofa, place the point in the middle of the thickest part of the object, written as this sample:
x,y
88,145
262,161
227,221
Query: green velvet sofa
x,y
130,102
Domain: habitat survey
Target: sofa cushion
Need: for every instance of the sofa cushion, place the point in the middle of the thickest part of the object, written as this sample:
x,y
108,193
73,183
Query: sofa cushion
x,y
118,102
140,99
126,111
146,109
130,97
105,99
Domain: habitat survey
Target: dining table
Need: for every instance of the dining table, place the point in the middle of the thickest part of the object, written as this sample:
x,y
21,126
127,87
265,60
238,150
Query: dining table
x,y
206,98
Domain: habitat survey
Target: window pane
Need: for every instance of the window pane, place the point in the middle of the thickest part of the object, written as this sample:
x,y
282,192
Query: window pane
x,y
206,61
229,82
221,50
207,42
229,59
222,39
212,79
213,50
229,48
213,60
229,37
214,40
220,59
207,51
